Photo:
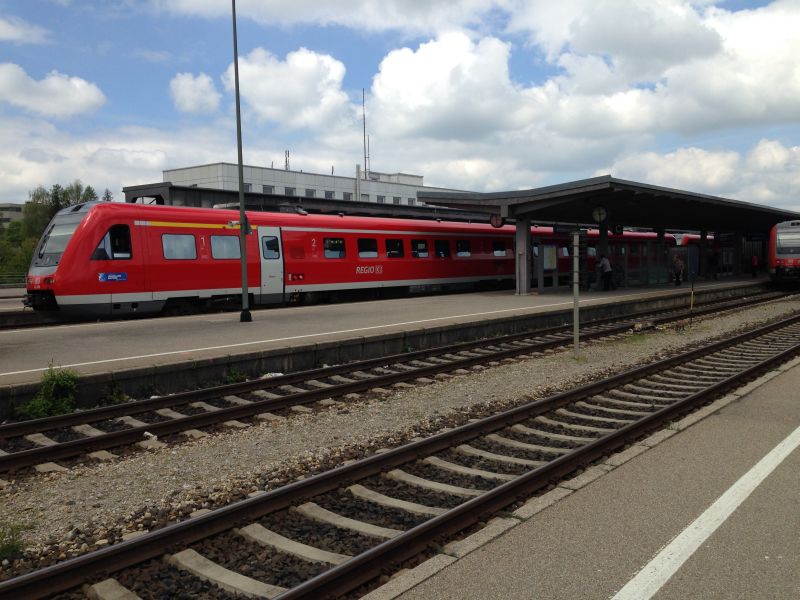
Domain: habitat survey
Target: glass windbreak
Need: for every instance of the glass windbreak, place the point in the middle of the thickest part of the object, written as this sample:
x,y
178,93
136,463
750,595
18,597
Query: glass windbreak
x,y
788,242
56,240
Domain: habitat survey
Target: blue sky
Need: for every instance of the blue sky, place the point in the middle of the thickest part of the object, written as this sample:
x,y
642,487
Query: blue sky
x,y
484,95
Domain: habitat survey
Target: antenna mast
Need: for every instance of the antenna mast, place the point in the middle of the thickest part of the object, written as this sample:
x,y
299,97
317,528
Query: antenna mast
x,y
364,121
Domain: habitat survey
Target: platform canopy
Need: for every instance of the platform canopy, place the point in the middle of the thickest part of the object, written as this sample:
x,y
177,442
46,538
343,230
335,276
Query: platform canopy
x,y
622,203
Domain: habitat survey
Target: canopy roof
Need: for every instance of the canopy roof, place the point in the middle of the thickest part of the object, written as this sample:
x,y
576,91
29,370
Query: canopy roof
x,y
626,203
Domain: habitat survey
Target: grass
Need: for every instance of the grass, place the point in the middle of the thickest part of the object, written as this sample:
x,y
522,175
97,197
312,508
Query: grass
x,y
11,545
234,376
56,396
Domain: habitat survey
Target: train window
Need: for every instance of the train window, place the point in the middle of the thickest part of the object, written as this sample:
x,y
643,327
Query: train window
x,y
179,246
462,248
591,251
442,248
563,252
270,247
334,247
498,247
419,248
115,245
367,248
394,248
225,246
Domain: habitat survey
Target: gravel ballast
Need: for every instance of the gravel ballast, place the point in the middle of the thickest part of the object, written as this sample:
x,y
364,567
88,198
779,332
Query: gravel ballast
x,y
66,514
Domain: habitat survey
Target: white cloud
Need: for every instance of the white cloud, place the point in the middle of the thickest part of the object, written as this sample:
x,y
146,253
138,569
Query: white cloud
x,y
415,16
769,173
57,95
18,31
449,88
34,152
303,91
192,94
640,39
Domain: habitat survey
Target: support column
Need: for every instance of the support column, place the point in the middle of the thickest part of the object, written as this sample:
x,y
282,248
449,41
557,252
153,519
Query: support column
x,y
540,266
602,242
523,257
738,242
702,267
660,258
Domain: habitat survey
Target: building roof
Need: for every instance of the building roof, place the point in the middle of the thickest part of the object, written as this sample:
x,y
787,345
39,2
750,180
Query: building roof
x,y
626,203
181,195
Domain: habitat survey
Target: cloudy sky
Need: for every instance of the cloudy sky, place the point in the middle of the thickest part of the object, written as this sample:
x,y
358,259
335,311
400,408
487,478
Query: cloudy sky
x,y
484,95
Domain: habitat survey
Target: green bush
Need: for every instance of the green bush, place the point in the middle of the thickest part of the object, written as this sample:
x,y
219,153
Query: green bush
x,y
55,397
10,540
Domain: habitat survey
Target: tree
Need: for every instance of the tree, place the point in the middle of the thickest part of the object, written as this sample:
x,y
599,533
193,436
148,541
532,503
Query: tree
x,y
107,196
19,238
35,217
14,233
89,195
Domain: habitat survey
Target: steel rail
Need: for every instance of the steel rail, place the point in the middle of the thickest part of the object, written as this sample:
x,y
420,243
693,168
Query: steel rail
x,y
64,450
73,572
21,428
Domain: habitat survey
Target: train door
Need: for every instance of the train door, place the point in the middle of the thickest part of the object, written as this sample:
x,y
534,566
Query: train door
x,y
271,253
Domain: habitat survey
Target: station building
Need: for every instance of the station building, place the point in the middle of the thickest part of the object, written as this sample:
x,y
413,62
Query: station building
x,y
10,212
398,189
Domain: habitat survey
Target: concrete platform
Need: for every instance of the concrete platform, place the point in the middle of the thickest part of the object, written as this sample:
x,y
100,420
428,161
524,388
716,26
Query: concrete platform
x,y
591,542
291,338
12,292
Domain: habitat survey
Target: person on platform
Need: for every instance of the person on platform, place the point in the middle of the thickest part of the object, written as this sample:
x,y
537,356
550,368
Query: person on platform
x,y
677,269
713,264
607,271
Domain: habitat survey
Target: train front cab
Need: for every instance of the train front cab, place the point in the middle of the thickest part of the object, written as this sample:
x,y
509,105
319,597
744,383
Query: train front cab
x,y
89,264
784,252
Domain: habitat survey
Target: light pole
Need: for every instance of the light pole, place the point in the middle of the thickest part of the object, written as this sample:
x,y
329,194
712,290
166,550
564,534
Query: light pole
x,y
244,226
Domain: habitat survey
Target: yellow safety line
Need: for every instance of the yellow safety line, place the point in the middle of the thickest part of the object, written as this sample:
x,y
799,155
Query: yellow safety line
x,y
192,225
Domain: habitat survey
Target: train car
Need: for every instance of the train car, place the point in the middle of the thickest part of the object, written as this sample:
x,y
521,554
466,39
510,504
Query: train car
x,y
112,259
107,259
783,254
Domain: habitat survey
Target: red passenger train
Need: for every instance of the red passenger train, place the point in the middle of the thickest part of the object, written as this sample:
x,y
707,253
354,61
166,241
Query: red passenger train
x,y
783,257
104,259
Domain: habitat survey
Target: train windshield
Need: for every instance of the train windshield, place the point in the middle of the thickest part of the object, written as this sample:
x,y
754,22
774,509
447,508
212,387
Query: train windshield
x,y
788,242
56,239
57,236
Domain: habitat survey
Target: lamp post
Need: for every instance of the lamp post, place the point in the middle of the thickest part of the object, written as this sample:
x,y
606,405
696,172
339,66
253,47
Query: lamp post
x,y
244,226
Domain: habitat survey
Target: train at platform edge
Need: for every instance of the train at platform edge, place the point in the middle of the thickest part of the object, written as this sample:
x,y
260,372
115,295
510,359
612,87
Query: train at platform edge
x,y
108,259
783,255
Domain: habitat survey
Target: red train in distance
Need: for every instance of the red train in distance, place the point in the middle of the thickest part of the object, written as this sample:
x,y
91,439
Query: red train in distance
x,y
107,259
783,254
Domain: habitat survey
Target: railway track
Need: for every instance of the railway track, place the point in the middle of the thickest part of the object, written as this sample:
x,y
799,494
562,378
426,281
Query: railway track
x,y
91,433
333,532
